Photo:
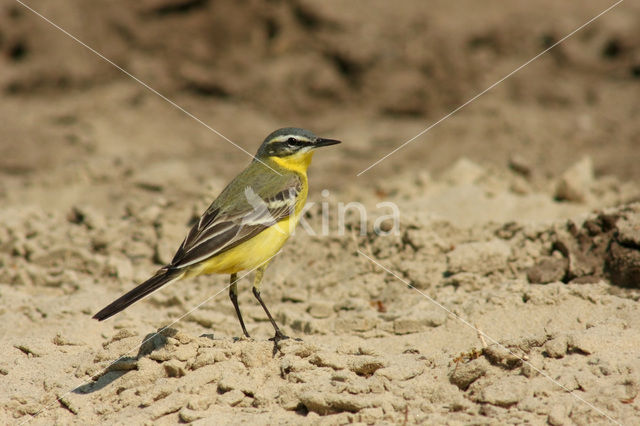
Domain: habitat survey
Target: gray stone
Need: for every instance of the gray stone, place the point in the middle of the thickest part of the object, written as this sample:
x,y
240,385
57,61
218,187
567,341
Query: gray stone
x,y
575,183
466,373
231,398
548,270
557,415
556,348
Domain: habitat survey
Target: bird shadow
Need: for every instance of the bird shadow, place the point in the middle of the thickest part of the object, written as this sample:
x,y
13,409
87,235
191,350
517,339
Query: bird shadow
x,y
125,364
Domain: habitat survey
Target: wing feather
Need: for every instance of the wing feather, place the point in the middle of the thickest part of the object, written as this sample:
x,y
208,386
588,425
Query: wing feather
x,y
218,231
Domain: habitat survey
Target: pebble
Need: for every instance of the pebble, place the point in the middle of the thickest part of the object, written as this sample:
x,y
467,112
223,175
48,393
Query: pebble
x,y
585,342
231,398
174,368
556,348
188,415
548,270
629,230
365,365
574,184
557,415
464,374
502,356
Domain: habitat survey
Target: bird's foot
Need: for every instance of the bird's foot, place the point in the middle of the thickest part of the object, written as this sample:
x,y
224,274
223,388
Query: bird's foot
x,y
279,337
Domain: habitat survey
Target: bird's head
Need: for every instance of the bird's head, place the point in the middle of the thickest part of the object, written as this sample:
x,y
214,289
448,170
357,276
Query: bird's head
x,y
292,143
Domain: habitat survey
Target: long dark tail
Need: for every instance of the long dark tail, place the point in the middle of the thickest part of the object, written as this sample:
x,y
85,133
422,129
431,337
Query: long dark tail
x,y
163,277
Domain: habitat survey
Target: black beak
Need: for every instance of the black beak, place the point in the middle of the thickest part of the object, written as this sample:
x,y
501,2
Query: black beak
x,y
324,142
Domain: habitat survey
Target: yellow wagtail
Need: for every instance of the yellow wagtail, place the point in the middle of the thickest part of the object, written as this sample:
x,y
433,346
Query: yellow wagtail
x,y
246,225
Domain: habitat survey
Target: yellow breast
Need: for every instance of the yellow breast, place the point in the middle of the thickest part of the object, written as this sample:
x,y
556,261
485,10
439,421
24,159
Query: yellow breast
x,y
261,248
250,254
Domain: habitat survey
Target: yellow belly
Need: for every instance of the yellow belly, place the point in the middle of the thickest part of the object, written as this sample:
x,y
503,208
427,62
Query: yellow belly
x,y
250,254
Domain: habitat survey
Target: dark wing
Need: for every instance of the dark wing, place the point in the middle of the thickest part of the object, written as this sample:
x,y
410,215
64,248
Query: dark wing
x,y
220,230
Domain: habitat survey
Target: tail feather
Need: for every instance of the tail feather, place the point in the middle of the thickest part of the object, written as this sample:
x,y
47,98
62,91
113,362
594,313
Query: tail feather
x,y
163,277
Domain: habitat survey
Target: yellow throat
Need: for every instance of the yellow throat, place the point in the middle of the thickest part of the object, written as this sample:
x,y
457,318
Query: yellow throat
x,y
297,162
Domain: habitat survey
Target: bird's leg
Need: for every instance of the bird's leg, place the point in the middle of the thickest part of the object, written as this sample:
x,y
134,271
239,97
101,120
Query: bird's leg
x,y
256,292
233,295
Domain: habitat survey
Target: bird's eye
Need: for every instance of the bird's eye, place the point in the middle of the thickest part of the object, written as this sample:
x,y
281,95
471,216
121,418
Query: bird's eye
x,y
292,141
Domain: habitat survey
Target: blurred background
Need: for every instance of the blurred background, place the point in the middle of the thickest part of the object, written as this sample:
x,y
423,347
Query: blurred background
x,y
372,73
100,177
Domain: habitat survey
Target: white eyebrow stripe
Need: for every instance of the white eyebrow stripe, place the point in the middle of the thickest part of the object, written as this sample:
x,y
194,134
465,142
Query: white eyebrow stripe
x,y
284,138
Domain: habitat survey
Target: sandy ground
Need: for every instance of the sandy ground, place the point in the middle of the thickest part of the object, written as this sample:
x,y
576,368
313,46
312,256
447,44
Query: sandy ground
x,y
508,295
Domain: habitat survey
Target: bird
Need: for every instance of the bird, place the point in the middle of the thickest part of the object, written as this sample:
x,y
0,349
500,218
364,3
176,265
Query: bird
x,y
246,225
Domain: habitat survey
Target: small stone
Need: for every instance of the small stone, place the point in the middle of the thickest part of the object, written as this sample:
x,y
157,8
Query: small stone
x,y
231,398
499,355
548,270
574,184
464,374
187,415
528,370
202,403
585,342
365,365
556,348
174,368
557,415
315,402
629,230
287,398
622,265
